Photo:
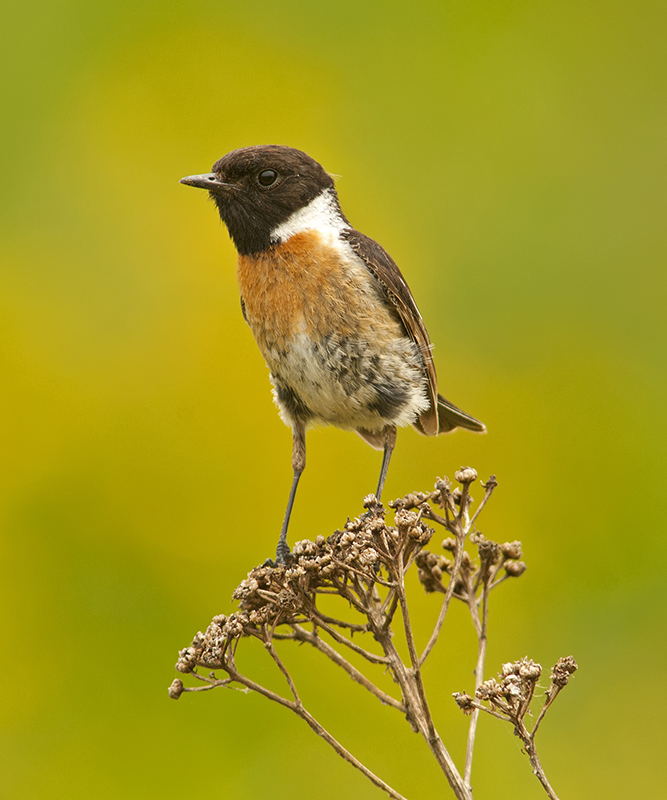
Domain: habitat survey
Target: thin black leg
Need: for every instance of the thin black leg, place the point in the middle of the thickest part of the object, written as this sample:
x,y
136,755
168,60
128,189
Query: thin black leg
x,y
389,444
298,465
282,550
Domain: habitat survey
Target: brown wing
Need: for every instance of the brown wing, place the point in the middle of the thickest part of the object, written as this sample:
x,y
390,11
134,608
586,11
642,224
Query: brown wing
x,y
384,270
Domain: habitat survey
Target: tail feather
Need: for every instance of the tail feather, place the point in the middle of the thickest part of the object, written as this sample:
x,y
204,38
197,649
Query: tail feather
x,y
451,417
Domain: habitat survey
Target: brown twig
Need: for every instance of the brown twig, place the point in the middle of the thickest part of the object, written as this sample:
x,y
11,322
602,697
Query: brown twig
x,y
479,673
319,729
456,570
303,635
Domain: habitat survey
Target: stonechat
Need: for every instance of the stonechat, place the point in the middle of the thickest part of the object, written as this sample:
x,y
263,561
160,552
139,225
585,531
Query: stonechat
x,y
332,314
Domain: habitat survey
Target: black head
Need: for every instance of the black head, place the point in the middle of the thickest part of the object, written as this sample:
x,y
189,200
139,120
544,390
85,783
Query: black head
x,y
258,188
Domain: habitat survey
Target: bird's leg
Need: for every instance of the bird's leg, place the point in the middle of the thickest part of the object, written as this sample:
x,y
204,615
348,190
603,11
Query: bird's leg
x,y
298,465
389,444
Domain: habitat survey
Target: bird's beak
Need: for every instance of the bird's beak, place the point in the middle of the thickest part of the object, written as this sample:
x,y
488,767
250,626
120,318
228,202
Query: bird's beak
x,y
208,181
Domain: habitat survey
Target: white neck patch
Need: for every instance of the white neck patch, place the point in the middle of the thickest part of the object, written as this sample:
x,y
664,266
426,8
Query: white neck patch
x,y
321,214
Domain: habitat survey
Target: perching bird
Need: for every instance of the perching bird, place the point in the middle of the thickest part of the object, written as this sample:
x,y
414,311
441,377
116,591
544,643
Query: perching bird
x,y
328,307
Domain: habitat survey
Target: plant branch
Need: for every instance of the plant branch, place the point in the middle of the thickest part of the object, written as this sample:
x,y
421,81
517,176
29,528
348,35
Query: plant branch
x,y
338,637
479,674
449,591
303,635
319,729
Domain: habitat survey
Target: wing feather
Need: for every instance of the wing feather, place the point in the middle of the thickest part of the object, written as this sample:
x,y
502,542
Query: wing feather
x,y
441,415
383,268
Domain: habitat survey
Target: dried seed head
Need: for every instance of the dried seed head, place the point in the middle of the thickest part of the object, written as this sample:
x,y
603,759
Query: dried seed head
x,y
427,580
376,524
464,701
187,660
466,475
489,552
530,670
304,548
449,544
442,491
511,549
515,568
512,686
234,626
176,689
370,501
262,615
429,571
491,483
411,500
489,690
525,668
442,484
562,670
405,520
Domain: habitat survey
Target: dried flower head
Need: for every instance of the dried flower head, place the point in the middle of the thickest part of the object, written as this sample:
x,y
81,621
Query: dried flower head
x,y
465,702
563,669
515,569
411,500
511,549
489,552
430,569
466,475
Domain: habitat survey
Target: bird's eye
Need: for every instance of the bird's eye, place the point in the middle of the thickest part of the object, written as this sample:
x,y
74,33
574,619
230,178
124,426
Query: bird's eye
x,y
267,177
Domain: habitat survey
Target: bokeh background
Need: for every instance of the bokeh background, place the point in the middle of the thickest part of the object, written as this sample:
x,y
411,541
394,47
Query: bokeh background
x,y
511,157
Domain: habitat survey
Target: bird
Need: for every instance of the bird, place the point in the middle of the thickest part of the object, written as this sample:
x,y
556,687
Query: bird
x,y
332,315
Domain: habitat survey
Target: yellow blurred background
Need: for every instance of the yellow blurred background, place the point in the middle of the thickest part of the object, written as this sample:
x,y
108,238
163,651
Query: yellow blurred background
x,y
511,157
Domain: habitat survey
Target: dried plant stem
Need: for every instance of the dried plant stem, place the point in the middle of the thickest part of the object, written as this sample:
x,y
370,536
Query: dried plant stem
x,y
414,696
489,486
456,571
481,627
329,739
528,740
338,637
268,644
551,696
303,635
298,708
419,716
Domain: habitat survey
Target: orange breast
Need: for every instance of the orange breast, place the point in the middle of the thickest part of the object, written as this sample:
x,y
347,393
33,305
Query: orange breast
x,y
312,285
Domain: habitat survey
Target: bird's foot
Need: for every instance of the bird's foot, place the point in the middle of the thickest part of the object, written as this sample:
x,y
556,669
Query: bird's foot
x,y
283,556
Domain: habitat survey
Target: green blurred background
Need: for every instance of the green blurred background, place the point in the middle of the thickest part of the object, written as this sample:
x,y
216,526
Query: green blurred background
x,y
511,157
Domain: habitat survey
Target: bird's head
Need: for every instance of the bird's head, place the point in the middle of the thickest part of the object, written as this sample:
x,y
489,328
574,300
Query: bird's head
x,y
257,189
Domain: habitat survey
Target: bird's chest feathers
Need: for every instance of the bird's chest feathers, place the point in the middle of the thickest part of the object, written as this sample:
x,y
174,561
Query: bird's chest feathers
x,y
336,348
311,284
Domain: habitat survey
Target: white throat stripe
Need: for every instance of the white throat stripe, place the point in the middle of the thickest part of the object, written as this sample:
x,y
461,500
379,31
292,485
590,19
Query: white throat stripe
x,y
321,214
